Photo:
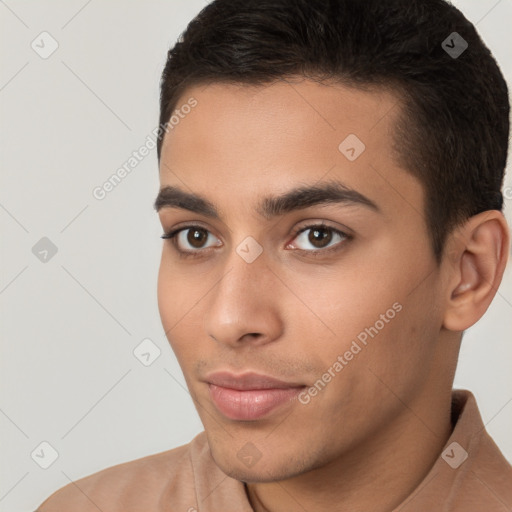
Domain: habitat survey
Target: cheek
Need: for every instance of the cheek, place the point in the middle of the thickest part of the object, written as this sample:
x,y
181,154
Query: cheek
x,y
179,304
174,296
177,291
383,334
166,293
343,308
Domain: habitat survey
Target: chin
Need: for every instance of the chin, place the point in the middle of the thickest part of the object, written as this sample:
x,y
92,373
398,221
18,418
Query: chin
x,y
279,468
257,475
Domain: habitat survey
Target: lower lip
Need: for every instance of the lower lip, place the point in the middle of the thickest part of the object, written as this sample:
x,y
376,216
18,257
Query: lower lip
x,y
250,404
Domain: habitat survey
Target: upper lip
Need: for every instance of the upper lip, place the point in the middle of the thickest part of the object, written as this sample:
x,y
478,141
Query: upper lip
x,y
247,381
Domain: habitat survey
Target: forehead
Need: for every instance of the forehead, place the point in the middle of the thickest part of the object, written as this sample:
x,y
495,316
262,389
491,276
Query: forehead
x,y
243,142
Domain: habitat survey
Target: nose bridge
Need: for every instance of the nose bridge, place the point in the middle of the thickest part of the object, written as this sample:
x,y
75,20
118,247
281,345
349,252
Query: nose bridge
x,y
241,302
239,289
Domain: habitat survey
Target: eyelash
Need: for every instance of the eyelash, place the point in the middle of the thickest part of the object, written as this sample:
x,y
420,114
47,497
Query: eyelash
x,y
171,235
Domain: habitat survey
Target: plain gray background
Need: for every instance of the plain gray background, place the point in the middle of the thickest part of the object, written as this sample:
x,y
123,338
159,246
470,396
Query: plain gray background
x,y
70,324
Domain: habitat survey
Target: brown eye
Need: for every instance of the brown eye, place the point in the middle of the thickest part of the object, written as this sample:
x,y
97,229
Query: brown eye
x,y
319,238
197,237
191,240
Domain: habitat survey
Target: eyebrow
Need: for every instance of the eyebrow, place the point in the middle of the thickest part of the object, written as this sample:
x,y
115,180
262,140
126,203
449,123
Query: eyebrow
x,y
331,192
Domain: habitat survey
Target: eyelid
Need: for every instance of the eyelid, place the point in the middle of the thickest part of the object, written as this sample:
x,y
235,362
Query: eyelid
x,y
181,227
321,224
175,232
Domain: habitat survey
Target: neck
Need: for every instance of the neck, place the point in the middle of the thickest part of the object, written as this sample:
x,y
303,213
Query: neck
x,y
378,475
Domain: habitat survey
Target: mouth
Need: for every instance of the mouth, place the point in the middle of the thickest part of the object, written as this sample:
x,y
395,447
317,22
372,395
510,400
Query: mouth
x,y
250,396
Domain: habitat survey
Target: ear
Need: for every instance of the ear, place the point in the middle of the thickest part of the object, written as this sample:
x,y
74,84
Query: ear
x,y
476,255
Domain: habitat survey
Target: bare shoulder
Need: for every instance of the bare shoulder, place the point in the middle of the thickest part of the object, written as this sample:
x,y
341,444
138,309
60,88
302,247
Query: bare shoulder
x,y
137,484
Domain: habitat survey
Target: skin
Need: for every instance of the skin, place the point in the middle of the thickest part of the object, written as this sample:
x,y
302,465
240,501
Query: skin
x,y
367,439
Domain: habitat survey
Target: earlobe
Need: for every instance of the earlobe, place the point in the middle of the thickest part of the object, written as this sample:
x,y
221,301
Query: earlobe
x,y
479,253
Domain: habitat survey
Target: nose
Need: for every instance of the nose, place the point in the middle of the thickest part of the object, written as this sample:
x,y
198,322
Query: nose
x,y
243,306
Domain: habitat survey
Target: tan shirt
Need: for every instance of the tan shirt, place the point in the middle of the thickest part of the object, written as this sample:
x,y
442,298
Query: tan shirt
x,y
186,479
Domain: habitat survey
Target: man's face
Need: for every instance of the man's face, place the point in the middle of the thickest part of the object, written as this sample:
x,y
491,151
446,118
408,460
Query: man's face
x,y
346,315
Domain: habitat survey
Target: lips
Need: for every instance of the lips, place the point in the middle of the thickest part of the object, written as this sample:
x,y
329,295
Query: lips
x,y
250,396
